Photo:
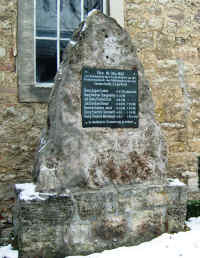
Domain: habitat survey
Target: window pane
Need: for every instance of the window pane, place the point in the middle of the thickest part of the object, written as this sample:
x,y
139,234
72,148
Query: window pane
x,y
46,18
92,4
70,12
46,60
63,44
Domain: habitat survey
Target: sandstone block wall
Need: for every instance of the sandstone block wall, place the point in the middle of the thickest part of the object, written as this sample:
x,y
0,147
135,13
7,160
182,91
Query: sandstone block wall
x,y
20,124
167,36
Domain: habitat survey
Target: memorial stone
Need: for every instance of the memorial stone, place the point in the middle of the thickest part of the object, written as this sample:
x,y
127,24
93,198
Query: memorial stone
x,y
100,169
101,128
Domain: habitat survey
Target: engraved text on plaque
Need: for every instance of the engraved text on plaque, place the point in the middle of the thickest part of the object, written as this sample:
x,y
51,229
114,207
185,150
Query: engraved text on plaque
x,y
109,98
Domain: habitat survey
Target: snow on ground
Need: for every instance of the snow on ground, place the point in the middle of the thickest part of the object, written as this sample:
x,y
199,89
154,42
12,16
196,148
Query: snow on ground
x,y
180,245
7,252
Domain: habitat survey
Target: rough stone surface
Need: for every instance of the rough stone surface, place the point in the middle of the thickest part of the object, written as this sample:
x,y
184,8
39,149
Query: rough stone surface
x,y
71,156
20,129
166,34
20,124
89,221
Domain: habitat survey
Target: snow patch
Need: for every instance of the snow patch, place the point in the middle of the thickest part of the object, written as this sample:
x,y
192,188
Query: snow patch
x,y
8,252
72,42
89,14
92,12
84,27
27,192
193,223
175,182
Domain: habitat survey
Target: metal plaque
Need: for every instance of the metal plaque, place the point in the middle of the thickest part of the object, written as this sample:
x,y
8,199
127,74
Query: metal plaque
x,y
109,98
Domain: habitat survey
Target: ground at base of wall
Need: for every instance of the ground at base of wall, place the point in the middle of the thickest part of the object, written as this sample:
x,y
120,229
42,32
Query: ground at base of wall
x,y
182,244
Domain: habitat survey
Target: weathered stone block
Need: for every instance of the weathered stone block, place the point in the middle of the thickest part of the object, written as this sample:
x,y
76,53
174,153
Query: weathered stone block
x,y
84,222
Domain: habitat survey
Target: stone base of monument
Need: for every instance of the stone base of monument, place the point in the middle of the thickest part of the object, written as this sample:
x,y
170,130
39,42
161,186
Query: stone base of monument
x,y
88,221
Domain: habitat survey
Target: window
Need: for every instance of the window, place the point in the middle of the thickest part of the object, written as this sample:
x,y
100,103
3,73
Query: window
x,y
44,30
55,22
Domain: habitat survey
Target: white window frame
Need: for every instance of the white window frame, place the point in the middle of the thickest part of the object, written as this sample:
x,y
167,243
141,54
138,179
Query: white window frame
x,y
117,10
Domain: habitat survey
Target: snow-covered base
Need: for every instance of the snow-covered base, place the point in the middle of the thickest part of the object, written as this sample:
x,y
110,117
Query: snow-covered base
x,y
183,244
28,190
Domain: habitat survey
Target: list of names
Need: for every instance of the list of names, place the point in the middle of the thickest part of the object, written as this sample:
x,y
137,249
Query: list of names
x,y
109,98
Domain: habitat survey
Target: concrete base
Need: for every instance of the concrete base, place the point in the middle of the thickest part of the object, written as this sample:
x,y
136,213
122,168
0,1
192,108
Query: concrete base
x,y
91,221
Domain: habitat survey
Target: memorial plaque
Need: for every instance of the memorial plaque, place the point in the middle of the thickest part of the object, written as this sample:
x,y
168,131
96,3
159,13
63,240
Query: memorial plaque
x,y
109,98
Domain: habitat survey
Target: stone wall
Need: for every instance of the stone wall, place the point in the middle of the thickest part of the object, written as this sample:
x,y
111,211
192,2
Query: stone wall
x,y
167,36
20,124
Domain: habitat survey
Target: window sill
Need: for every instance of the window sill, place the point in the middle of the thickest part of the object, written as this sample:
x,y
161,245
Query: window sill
x,y
44,85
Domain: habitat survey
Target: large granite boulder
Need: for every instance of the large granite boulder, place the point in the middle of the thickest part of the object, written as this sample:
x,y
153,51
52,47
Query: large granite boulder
x,y
71,156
